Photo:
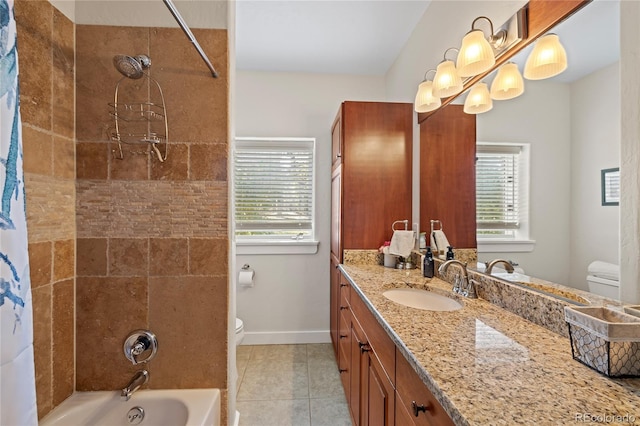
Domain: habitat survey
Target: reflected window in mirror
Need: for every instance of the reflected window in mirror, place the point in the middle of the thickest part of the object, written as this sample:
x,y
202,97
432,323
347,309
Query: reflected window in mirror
x,y
502,192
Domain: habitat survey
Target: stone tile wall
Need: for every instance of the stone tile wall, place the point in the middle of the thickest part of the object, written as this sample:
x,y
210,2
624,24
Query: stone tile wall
x,y
46,66
152,236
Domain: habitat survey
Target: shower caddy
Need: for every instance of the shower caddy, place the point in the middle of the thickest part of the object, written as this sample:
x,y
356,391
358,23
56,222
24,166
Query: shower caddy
x,y
139,121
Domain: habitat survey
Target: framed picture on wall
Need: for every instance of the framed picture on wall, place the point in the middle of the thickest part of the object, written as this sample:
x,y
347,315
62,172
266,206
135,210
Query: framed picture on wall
x,y
610,182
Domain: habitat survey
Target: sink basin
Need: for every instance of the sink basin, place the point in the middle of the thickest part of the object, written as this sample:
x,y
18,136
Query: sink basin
x,y
422,299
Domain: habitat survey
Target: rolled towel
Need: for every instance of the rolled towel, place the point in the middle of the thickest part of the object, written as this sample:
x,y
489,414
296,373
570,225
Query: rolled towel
x,y
402,242
439,242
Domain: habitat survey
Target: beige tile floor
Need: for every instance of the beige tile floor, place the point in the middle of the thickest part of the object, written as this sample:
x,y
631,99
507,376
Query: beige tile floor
x,y
290,385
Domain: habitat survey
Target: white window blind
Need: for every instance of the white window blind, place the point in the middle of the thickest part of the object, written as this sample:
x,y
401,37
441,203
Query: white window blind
x,y
498,190
274,191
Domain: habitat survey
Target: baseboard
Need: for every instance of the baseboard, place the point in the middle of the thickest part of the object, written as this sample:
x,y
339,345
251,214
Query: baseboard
x,y
285,337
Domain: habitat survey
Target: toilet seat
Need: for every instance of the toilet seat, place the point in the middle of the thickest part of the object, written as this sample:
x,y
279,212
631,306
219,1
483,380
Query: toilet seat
x,y
239,325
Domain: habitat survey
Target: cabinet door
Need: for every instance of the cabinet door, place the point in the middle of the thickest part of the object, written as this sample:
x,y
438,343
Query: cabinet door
x,y
334,301
448,174
344,349
336,213
336,141
358,370
417,398
380,410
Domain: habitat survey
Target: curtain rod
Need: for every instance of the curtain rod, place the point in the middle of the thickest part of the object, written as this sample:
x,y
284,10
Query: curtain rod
x,y
187,31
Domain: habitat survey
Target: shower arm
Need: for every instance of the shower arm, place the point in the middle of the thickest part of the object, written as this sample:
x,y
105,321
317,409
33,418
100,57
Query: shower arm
x,y
187,31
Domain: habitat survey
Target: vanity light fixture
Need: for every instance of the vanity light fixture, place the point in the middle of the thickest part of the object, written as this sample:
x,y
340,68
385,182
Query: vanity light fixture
x,y
477,52
478,100
547,59
508,83
447,81
425,101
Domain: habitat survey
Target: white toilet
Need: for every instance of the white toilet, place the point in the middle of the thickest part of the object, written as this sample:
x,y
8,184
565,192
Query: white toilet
x,y
239,331
604,279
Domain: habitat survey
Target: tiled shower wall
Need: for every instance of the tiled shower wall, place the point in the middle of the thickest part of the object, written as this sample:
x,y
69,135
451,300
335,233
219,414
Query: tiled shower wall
x,y
152,236
46,65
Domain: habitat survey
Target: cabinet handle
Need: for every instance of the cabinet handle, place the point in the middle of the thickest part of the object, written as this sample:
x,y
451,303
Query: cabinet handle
x,y
342,308
364,347
342,370
338,156
343,285
417,408
343,336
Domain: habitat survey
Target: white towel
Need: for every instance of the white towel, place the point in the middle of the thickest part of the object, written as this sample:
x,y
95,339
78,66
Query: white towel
x,y
402,242
439,242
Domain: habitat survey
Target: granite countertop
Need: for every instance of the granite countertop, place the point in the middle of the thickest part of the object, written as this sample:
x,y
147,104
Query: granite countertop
x,y
487,365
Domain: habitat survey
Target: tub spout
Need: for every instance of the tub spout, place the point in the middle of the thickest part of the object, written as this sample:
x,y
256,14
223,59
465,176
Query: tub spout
x,y
139,379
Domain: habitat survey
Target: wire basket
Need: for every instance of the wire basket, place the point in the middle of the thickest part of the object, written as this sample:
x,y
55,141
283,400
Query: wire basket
x,y
596,341
614,359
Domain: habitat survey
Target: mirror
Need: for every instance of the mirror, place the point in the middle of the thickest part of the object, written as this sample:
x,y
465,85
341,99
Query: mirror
x,y
571,124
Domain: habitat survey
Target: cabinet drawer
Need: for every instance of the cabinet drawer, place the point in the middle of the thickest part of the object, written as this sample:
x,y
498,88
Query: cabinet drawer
x,y
377,338
344,287
411,390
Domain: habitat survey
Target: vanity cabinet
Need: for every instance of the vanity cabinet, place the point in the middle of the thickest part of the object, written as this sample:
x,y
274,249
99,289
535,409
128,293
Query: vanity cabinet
x,y
367,383
371,148
380,386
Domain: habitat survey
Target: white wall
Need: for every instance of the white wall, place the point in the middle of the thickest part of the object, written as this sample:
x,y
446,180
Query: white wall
x,y
595,145
540,117
290,300
630,153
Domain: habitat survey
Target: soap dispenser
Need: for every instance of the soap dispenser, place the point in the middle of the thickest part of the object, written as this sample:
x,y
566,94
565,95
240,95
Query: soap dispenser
x,y
449,253
428,265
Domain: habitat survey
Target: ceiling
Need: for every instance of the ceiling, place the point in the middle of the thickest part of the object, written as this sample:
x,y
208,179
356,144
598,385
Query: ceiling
x,y
366,36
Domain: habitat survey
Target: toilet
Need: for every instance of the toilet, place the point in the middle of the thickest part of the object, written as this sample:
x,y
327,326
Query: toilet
x,y
604,279
239,331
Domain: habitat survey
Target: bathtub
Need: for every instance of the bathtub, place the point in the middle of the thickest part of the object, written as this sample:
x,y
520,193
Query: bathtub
x,y
171,407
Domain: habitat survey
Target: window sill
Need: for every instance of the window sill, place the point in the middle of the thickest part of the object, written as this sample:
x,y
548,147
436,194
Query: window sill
x,y
506,246
276,247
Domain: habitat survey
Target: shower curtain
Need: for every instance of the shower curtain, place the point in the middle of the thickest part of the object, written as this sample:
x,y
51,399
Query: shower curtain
x,y
17,376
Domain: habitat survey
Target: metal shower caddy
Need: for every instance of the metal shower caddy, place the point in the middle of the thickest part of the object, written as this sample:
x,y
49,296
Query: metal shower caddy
x,y
139,121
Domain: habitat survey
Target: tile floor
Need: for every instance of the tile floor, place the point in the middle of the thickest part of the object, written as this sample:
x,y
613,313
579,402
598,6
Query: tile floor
x,y
290,385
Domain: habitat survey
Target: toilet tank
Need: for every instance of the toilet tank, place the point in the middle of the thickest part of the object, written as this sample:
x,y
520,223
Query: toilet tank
x,y
603,279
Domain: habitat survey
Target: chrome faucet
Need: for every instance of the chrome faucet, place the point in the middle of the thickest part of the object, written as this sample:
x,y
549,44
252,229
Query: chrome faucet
x,y
490,265
140,378
462,285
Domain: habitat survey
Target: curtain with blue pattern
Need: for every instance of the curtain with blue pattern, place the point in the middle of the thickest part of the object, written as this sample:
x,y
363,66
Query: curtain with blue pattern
x,y
17,376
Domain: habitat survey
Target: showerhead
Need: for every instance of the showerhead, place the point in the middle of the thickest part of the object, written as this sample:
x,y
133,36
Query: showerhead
x,y
131,66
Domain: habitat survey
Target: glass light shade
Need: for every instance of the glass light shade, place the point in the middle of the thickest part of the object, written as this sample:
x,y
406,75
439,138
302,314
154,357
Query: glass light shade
x,y
478,100
548,58
425,101
447,81
475,56
508,83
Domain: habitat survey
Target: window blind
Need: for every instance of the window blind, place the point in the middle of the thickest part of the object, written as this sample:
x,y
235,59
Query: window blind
x,y
274,187
497,189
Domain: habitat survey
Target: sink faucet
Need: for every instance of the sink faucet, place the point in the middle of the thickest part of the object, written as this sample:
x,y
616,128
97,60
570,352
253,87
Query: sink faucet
x,y
462,284
490,265
140,378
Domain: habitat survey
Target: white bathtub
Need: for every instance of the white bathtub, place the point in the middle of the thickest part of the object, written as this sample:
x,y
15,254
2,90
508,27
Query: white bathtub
x,y
172,407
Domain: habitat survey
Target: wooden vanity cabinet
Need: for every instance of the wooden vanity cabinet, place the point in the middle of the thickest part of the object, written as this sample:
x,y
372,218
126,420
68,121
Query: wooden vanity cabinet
x,y
371,148
379,384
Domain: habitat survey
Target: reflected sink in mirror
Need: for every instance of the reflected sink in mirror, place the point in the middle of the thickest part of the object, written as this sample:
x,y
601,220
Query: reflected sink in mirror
x,y
525,281
422,299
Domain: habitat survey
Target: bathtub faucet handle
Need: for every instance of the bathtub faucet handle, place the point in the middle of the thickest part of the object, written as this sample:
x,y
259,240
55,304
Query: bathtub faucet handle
x,y
139,342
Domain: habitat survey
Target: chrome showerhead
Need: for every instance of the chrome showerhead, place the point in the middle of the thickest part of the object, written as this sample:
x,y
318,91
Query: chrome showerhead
x,y
132,66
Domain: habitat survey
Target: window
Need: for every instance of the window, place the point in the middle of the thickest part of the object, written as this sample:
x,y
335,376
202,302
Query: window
x,y
502,192
274,190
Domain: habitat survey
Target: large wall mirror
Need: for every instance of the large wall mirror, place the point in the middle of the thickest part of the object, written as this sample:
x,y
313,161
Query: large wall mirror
x,y
571,128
